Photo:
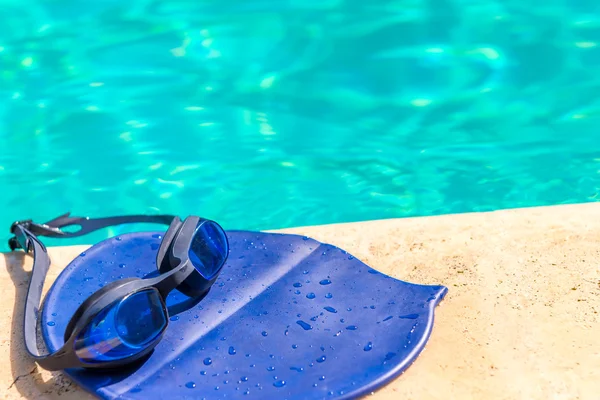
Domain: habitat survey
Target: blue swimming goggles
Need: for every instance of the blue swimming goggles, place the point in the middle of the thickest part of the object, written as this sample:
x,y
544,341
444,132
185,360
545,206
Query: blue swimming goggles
x,y
122,322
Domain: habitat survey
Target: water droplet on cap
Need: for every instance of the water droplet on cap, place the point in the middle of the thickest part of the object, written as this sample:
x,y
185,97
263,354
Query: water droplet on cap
x,y
304,325
409,316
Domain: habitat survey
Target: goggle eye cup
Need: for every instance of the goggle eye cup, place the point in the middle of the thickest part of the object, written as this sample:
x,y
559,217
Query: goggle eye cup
x,y
208,249
207,252
126,328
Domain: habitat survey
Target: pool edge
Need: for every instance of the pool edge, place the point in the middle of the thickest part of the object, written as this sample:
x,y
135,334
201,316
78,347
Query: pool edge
x,y
514,277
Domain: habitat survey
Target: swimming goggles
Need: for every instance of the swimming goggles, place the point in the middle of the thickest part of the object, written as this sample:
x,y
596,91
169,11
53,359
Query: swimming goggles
x,y
123,321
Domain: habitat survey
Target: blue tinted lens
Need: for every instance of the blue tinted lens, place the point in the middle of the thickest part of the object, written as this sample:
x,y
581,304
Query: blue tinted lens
x,y
122,329
208,250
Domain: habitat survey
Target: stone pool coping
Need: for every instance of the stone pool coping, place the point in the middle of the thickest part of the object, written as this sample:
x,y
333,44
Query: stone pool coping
x,y
520,321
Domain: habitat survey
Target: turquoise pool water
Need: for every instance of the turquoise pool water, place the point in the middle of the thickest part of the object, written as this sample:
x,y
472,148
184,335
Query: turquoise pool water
x,y
268,114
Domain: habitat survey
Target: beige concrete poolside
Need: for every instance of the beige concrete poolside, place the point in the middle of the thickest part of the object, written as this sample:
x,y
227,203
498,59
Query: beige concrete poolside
x,y
521,319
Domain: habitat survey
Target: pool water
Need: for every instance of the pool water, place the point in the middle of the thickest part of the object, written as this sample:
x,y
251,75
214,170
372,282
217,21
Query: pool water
x,y
269,114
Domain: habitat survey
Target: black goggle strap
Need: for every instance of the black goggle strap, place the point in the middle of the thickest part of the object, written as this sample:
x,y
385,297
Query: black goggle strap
x,y
26,233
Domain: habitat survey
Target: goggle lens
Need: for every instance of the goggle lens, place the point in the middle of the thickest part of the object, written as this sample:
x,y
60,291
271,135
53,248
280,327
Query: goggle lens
x,y
123,329
208,249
